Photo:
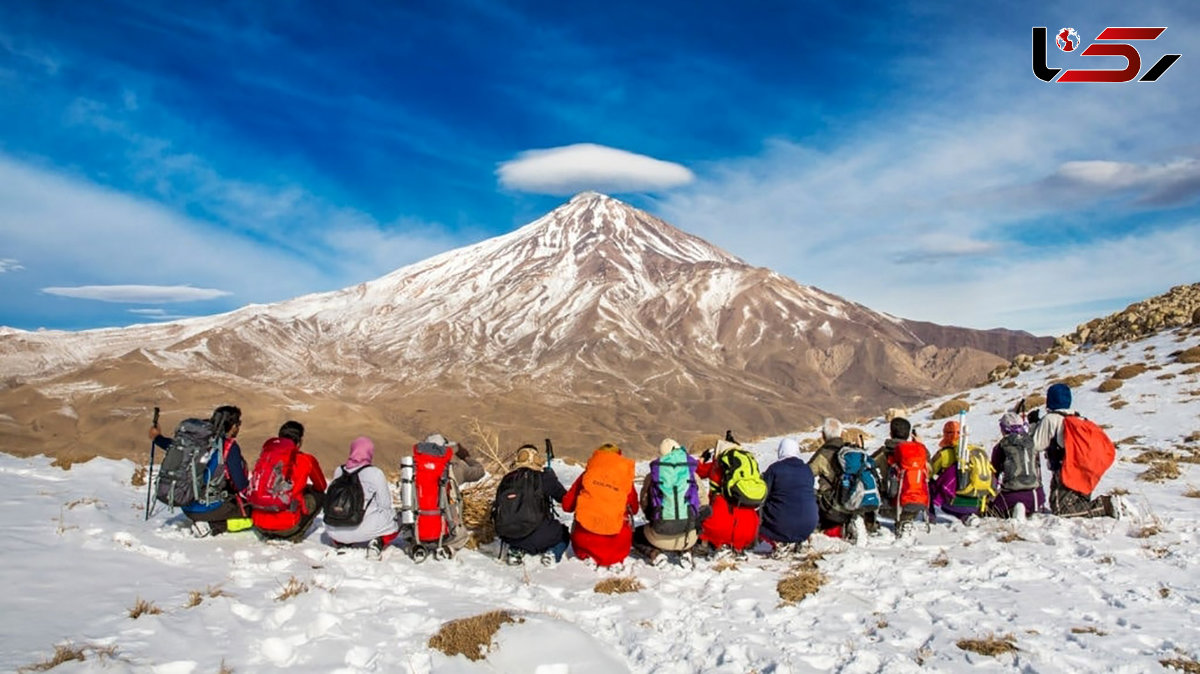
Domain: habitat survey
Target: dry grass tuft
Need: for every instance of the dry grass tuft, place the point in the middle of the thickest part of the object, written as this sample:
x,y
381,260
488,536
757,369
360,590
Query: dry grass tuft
x,y
942,560
1160,471
1152,455
1075,380
1192,492
1118,491
62,653
800,583
138,479
725,565
1089,629
143,607
1192,370
1129,371
1166,376
1117,403
1034,400
472,636
195,598
1009,384
294,587
1194,436
703,443
1146,530
62,462
225,669
1185,665
1106,559
1011,536
86,500
1109,385
477,512
1191,355
1109,368
1127,441
951,408
1164,592
990,645
619,585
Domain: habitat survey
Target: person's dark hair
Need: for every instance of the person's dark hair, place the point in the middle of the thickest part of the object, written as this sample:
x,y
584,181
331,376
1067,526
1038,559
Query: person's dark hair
x,y
292,430
225,417
900,428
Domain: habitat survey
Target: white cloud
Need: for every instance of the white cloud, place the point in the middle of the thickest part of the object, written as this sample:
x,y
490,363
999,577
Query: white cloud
x,y
8,264
931,248
157,314
138,294
587,166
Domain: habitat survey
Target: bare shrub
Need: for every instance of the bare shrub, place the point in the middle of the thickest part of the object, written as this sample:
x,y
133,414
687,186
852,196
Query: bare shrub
x,y
992,645
1129,371
800,583
487,444
1109,385
477,512
472,636
1088,629
1160,471
294,587
143,607
619,585
138,479
1075,380
951,408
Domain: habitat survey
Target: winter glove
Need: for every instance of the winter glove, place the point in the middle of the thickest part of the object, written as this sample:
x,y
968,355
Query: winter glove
x,y
707,455
462,453
1034,416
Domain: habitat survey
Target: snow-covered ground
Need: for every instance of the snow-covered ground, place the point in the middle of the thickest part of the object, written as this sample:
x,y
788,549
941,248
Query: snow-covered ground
x,y
1076,596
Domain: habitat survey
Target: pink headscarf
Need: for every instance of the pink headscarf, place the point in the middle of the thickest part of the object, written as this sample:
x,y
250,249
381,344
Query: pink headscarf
x,y
362,452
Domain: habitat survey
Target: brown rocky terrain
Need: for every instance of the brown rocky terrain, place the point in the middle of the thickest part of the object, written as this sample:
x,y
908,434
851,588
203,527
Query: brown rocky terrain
x,y
597,322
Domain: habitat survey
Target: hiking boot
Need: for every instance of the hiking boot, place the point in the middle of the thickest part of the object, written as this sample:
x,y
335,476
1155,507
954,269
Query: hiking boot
x,y
201,529
686,560
548,559
375,549
856,531
514,557
723,552
973,520
1018,512
657,558
783,550
1114,506
703,549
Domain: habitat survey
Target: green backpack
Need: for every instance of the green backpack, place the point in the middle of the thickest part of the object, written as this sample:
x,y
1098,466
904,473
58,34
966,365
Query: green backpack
x,y
742,483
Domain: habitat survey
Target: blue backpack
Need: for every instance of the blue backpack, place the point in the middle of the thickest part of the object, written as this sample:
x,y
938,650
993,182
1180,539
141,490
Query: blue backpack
x,y
674,494
860,480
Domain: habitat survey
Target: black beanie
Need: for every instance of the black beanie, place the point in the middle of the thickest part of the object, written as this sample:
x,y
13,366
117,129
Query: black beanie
x,y
900,428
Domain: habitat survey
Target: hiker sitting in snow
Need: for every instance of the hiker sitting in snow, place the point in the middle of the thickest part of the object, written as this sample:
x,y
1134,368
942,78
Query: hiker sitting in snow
x,y
523,512
465,469
670,498
228,509
1016,463
729,525
604,502
378,527
828,474
287,488
908,476
944,478
789,515
1074,474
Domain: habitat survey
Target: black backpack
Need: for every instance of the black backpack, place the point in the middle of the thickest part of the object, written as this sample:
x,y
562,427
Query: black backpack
x,y
344,501
1020,463
193,468
521,504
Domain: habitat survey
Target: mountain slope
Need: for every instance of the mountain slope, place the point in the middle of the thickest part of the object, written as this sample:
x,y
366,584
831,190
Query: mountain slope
x,y
596,322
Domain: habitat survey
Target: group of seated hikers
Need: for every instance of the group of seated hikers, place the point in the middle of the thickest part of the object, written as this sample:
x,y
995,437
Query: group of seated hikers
x,y
841,490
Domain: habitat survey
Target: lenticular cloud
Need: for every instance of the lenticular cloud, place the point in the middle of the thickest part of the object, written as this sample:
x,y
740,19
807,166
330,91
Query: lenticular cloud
x,y
586,166
138,294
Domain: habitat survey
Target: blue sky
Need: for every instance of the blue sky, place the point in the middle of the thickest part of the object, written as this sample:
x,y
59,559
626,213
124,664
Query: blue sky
x,y
163,159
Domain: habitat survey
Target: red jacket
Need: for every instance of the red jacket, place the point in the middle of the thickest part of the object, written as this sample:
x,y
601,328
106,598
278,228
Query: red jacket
x,y
732,525
606,550
304,470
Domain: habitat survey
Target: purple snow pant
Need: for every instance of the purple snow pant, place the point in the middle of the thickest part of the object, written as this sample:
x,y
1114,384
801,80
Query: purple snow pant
x,y
1033,499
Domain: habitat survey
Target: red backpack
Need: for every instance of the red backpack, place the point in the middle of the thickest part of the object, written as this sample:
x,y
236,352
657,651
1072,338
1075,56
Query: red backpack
x,y
271,485
436,492
1089,453
911,463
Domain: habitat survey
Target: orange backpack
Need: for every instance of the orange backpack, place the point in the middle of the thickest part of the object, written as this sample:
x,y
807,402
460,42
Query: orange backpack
x,y
911,463
604,492
1089,453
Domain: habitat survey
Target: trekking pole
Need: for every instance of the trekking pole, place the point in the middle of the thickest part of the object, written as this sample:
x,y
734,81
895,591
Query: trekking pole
x,y
150,470
549,452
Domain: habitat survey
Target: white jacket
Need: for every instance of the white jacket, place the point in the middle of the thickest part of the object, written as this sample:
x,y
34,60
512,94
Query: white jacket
x,y
379,518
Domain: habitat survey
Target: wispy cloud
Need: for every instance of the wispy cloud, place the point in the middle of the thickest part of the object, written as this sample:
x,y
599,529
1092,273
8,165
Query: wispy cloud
x,y
8,264
157,314
135,294
587,166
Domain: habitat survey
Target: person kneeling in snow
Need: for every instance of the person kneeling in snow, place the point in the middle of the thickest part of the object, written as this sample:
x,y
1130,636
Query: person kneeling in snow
x,y
287,489
523,512
1077,460
789,515
728,524
604,502
376,522
670,498
1016,463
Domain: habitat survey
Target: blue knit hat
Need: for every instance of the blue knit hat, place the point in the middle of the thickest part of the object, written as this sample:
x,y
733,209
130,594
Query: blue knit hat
x,y
1058,397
